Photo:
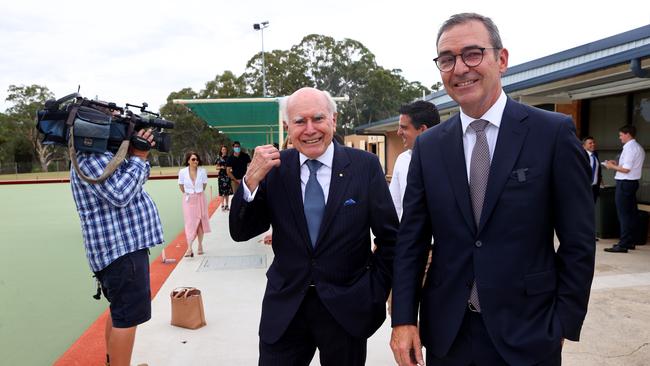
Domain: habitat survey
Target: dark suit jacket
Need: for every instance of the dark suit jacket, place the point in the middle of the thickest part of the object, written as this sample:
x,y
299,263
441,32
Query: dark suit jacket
x,y
530,295
352,282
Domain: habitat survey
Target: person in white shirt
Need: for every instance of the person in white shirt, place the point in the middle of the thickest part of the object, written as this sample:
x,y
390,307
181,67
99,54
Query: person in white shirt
x,y
192,181
414,119
628,173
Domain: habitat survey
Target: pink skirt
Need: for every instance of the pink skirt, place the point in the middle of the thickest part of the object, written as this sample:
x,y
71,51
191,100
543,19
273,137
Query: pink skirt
x,y
195,213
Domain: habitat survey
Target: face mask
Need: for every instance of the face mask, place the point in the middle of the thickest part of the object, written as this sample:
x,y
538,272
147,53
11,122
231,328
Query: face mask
x,y
236,149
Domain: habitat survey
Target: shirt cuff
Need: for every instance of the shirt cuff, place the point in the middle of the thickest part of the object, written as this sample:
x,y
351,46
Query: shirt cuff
x,y
248,196
138,161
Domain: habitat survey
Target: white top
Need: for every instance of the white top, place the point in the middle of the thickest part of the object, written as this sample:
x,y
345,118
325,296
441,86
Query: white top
x,y
398,182
185,180
323,175
631,158
493,115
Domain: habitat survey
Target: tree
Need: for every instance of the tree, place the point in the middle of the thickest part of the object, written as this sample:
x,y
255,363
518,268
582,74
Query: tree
x,y
6,138
226,85
285,72
26,101
343,68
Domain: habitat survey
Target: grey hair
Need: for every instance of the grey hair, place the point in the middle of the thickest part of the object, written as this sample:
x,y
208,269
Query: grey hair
x,y
462,18
284,102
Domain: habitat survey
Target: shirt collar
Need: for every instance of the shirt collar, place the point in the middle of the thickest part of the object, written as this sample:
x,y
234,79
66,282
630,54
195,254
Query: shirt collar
x,y
493,115
625,144
326,159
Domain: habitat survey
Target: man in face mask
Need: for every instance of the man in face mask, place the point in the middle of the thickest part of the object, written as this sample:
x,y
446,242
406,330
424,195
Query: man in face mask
x,y
237,164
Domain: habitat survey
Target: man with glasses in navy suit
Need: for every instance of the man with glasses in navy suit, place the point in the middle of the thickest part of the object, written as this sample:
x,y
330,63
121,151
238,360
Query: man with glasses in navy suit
x,y
492,185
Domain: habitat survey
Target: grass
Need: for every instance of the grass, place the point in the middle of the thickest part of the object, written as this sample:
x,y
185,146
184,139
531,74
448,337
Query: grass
x,y
45,280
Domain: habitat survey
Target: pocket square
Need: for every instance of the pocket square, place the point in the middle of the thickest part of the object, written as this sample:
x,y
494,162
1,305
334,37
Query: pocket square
x,y
349,202
520,174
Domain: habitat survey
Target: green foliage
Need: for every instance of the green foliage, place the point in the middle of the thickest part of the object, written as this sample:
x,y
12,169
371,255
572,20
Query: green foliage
x,y
226,85
342,68
23,143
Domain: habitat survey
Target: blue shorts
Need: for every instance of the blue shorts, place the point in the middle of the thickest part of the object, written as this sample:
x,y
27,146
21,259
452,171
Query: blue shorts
x,y
125,284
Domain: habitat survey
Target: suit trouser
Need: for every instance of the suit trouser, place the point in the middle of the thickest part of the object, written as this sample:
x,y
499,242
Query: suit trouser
x,y
596,191
473,346
314,327
626,209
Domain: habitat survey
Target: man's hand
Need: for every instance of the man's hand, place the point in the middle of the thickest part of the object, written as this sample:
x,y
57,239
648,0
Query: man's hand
x,y
406,346
142,154
267,240
611,164
266,158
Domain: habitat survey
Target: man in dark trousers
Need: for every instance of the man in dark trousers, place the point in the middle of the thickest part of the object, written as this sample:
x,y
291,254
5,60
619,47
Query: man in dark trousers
x,y
326,289
596,173
236,165
629,169
492,184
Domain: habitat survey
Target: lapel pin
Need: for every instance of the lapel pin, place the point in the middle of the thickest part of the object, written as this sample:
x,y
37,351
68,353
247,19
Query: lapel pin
x,y
340,174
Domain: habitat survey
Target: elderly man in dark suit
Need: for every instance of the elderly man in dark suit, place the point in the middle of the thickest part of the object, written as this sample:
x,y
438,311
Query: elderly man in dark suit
x,y
492,185
326,289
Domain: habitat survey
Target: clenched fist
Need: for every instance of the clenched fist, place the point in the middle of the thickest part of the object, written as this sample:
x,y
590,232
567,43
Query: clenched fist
x,y
266,157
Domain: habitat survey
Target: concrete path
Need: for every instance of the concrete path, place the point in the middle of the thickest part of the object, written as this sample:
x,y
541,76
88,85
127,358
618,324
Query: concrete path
x,y
232,278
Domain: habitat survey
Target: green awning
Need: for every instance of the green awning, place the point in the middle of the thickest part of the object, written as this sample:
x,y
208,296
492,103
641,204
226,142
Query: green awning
x,y
251,121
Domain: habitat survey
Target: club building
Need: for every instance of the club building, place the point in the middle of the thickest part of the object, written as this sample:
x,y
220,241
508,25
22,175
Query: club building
x,y
603,85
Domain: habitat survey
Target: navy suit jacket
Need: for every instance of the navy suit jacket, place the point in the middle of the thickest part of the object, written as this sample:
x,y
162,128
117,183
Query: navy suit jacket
x,y
352,282
530,295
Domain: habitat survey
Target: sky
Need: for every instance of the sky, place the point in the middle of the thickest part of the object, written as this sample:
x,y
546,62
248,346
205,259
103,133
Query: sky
x,y
141,51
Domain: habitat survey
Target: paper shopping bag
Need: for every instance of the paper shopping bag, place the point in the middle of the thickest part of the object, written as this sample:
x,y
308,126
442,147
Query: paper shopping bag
x,y
187,308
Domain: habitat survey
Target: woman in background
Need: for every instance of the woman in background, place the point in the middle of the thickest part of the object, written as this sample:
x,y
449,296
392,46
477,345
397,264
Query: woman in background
x,y
225,187
192,181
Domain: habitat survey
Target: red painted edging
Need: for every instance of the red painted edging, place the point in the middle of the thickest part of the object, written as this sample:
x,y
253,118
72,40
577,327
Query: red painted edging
x,y
90,348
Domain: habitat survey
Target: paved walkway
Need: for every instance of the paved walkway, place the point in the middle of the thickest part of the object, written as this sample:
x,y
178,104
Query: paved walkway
x,y
232,278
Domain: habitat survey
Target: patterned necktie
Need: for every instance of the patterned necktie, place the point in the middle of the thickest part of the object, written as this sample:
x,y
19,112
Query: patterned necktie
x,y
479,170
314,201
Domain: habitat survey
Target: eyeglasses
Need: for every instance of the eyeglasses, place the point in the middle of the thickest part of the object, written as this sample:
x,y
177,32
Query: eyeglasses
x,y
194,159
471,57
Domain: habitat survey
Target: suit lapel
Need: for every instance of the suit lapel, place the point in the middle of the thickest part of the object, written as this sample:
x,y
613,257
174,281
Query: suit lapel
x,y
512,134
451,145
291,179
338,184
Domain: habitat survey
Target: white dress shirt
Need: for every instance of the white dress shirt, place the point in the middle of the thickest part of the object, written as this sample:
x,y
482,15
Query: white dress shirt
x,y
631,158
324,174
493,115
594,173
189,186
398,181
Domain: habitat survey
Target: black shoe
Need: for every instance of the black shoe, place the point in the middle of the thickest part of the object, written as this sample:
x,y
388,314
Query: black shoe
x,y
616,249
628,247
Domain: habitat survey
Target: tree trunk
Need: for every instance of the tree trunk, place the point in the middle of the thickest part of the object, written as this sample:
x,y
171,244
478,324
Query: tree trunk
x,y
44,153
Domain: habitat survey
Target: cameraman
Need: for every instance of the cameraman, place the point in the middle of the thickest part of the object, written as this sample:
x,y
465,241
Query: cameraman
x,y
119,222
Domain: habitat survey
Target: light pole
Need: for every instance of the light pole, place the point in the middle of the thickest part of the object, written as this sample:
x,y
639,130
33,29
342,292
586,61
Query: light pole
x,y
260,27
